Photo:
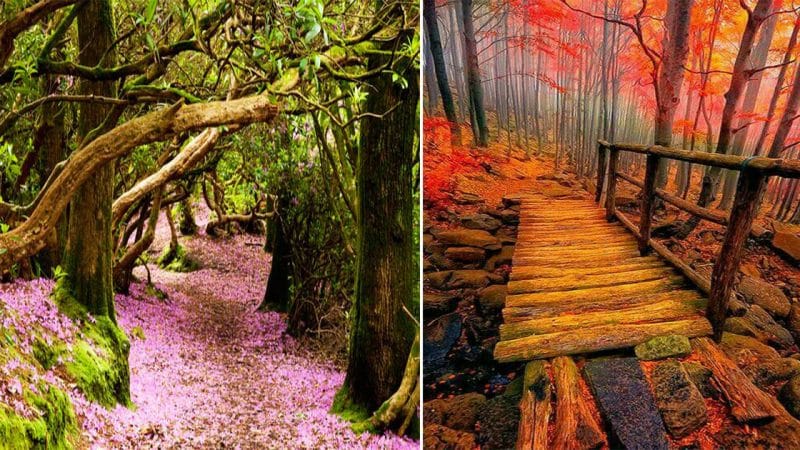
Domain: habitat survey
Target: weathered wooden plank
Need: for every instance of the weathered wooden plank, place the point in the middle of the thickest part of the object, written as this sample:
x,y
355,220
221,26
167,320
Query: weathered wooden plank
x,y
594,294
534,408
594,339
576,260
531,272
748,403
664,311
581,306
575,427
624,398
571,282
598,240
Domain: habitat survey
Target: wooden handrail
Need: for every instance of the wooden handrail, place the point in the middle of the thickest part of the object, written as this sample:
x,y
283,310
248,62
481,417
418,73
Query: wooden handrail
x,y
789,168
755,172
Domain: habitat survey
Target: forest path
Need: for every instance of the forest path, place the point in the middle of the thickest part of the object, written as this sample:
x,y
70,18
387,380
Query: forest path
x,y
579,285
207,371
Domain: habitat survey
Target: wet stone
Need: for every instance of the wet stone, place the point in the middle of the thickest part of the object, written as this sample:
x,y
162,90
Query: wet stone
x,y
625,400
680,402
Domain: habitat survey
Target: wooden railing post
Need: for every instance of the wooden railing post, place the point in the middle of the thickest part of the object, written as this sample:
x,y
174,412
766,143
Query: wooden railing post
x,y
648,198
745,208
601,171
611,182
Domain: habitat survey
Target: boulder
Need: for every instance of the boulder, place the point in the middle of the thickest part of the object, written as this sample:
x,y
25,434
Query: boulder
x,y
746,348
661,347
765,295
509,216
789,396
438,338
624,398
459,412
466,254
773,371
506,236
469,238
480,222
757,323
438,437
438,280
503,258
492,298
700,376
472,279
681,405
498,420
467,198
793,322
512,199
788,244
434,304
430,245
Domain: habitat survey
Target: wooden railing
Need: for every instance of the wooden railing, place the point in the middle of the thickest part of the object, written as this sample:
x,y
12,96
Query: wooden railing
x,y
754,174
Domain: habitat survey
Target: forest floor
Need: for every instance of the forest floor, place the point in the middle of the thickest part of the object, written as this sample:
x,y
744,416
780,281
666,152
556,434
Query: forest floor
x,y
206,370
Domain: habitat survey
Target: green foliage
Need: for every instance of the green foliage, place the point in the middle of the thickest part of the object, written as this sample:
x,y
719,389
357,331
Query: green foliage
x,y
176,260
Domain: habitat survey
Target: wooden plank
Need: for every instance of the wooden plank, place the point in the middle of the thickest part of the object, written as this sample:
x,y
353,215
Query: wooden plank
x,y
534,408
575,250
594,294
577,259
577,263
594,339
665,311
571,282
589,242
581,306
575,427
748,403
531,272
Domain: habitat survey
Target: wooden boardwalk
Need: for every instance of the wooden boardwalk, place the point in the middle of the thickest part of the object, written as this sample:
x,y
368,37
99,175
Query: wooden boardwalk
x,y
579,285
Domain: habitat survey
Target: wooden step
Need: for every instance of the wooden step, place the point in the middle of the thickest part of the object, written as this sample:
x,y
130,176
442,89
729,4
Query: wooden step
x,y
534,407
581,306
577,250
575,426
595,294
588,340
597,241
575,260
531,272
664,311
748,403
571,282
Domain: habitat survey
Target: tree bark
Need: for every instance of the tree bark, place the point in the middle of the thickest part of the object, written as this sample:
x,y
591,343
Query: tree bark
x,y
435,43
386,264
474,76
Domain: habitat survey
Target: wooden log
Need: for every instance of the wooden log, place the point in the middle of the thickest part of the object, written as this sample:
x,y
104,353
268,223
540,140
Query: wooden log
x,y
627,223
571,282
534,408
667,310
576,428
748,403
595,339
601,172
581,306
648,198
745,207
613,159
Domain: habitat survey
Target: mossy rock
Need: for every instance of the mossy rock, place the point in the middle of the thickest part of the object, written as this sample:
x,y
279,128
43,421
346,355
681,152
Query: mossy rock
x,y
47,354
177,260
661,347
51,430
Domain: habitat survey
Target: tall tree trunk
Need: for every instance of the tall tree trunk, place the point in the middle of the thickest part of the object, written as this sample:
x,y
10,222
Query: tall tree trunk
x,y
276,295
481,128
89,251
435,44
670,77
386,262
757,61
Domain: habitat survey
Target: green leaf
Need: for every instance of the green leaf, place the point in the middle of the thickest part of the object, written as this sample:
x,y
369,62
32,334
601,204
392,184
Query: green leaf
x,y
150,11
313,32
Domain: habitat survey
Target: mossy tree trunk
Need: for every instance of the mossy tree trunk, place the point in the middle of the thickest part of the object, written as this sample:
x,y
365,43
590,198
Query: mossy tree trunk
x,y
386,265
89,251
276,296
